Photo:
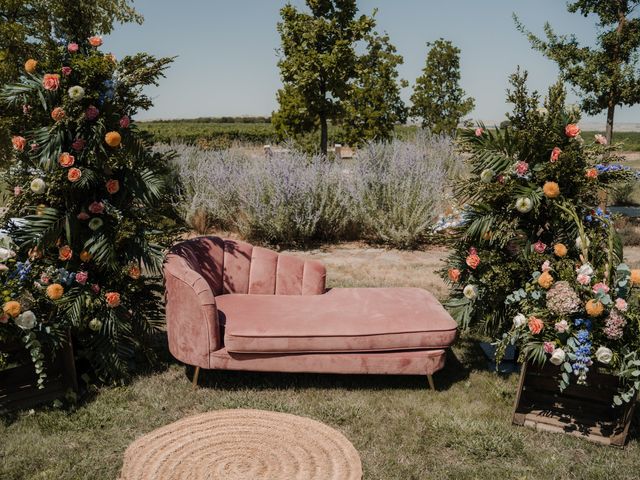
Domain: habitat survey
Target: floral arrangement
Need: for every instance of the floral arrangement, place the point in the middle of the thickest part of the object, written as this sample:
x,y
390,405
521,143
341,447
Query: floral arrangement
x,y
519,174
91,211
580,313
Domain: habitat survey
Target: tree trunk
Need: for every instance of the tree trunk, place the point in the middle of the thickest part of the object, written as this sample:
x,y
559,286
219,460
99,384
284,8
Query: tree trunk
x,y
610,111
324,134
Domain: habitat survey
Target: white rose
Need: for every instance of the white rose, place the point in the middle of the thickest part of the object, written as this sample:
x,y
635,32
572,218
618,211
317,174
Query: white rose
x,y
524,204
470,292
76,93
519,320
558,356
486,176
585,269
38,185
26,320
604,355
579,243
6,254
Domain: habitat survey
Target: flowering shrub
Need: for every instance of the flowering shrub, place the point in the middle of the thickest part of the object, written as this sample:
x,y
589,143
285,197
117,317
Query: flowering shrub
x,y
587,314
91,199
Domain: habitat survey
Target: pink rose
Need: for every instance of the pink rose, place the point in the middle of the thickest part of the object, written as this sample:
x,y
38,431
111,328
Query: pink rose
x,y
549,347
91,113
82,216
555,154
34,146
113,186
19,143
601,139
539,247
621,304
479,131
96,207
78,144
66,71
572,130
95,288
522,168
95,41
26,109
51,81
17,190
501,179
583,279
562,326
125,121
600,287
546,266
82,277
45,279
4,318
73,47
473,261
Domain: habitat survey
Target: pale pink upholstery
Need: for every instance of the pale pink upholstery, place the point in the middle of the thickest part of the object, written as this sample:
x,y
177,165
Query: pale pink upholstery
x,y
231,305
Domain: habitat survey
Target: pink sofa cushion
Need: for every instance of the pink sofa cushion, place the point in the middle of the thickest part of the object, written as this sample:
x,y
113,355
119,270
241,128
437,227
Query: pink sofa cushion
x,y
341,320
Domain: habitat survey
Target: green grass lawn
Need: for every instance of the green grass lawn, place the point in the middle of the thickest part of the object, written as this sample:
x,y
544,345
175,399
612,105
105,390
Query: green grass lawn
x,y
401,429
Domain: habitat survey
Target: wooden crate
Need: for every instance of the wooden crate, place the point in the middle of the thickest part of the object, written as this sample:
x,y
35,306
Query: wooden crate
x,y
580,410
18,384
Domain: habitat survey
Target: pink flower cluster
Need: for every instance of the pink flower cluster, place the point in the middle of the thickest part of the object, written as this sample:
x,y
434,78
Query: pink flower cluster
x,y
522,168
614,325
562,299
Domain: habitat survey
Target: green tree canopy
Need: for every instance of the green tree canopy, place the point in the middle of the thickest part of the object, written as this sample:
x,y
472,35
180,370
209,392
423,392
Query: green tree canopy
x,y
607,75
437,96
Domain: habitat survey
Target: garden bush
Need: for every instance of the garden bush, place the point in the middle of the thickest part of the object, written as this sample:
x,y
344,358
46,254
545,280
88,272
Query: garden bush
x,y
390,193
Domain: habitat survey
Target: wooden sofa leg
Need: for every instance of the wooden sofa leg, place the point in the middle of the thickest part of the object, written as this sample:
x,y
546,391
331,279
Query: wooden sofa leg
x,y
195,378
431,384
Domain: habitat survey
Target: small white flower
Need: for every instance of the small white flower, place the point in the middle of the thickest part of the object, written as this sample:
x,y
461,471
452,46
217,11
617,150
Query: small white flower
x,y
6,254
524,204
558,356
95,223
519,320
585,269
26,320
601,139
604,355
486,176
38,186
543,112
76,93
470,292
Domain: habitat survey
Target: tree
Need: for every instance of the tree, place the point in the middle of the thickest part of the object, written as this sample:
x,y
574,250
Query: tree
x,y
27,28
318,62
523,180
94,205
374,106
606,76
437,96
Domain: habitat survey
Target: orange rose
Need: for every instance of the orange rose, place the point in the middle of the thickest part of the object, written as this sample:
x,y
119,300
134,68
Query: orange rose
x,y
85,256
51,81
591,174
560,249
545,280
535,325
66,159
30,65
635,277
134,272
555,154
65,253
551,189
112,298
19,143
55,291
572,130
594,308
112,139
473,260
74,174
454,274
95,41
57,114
12,308
113,186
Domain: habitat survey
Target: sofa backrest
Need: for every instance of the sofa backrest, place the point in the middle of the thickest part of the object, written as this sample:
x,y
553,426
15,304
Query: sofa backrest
x,y
233,266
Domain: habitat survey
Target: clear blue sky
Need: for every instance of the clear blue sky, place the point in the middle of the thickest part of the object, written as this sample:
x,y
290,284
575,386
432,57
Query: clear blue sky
x,y
227,57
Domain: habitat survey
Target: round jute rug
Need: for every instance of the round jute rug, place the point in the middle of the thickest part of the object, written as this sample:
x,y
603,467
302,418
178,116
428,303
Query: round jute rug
x,y
242,445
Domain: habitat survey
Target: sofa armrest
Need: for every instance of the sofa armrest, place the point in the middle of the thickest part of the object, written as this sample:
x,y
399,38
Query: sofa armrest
x,y
193,328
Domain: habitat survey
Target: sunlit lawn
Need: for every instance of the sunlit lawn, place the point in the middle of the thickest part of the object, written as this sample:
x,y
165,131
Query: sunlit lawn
x,y
401,429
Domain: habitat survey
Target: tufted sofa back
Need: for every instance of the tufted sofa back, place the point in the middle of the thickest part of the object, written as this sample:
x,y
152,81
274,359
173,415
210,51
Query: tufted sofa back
x,y
230,266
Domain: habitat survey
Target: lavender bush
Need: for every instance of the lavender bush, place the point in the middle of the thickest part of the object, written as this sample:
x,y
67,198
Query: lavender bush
x,y
391,192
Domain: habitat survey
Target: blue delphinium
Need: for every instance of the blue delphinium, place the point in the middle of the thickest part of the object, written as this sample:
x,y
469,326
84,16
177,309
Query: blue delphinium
x,y
582,350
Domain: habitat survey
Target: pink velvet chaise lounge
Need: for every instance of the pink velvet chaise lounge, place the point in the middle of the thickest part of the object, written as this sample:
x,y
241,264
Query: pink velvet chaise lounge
x,y
233,306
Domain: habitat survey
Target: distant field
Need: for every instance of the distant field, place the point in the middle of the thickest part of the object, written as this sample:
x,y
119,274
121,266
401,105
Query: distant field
x,y
257,131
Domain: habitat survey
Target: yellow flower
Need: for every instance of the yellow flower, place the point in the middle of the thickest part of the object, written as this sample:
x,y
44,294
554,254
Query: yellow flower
x,y
12,308
30,65
594,308
55,291
551,189
113,139
545,280
560,249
